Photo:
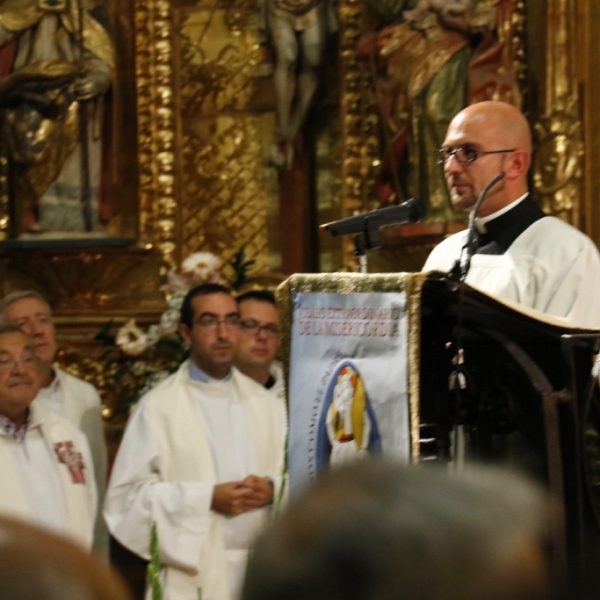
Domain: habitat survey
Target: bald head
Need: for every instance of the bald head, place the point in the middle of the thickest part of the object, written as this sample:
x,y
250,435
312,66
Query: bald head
x,y
500,134
505,122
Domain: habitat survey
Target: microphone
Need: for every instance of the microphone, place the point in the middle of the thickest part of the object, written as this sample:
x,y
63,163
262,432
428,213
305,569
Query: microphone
x,y
411,211
463,264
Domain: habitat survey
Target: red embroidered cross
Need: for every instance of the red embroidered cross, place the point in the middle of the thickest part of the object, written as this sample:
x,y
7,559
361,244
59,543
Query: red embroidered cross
x,y
66,453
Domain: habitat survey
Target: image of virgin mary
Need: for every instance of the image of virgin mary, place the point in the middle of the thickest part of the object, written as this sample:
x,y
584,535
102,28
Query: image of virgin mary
x,y
347,428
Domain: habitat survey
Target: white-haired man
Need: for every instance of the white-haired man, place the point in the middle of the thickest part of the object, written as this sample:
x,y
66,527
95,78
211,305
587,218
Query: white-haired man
x,y
46,467
63,393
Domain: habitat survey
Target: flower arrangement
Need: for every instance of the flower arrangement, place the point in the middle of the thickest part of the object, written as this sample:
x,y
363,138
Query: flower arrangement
x,y
137,360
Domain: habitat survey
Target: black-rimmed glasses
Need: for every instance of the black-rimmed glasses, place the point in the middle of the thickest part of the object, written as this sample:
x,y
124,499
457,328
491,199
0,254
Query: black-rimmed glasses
x,y
252,327
464,154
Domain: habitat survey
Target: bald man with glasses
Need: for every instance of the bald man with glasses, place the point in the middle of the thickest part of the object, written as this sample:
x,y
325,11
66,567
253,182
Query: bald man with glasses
x,y
521,254
201,459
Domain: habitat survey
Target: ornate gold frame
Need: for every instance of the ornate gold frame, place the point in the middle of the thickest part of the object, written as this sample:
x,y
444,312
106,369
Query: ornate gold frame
x,y
156,126
558,160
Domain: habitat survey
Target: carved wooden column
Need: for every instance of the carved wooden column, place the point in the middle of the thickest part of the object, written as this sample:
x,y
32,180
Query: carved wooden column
x,y
156,126
360,144
558,160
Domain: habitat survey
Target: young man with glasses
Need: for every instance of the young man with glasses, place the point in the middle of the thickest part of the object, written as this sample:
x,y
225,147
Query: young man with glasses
x,y
522,255
201,459
260,334
46,467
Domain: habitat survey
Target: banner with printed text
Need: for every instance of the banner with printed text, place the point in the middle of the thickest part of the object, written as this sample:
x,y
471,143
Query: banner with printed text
x,y
348,381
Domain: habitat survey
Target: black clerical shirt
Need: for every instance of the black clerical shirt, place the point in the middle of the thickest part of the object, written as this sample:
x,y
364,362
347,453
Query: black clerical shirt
x,y
502,231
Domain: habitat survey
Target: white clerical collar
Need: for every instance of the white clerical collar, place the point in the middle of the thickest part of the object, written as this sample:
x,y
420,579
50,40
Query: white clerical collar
x,y
197,374
481,221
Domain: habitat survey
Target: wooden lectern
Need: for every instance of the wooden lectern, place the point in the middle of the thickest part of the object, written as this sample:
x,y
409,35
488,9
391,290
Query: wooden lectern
x,y
525,393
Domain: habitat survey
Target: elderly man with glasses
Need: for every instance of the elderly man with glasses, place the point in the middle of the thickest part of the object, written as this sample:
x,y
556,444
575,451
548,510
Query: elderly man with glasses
x,y
61,392
260,334
201,460
46,467
521,254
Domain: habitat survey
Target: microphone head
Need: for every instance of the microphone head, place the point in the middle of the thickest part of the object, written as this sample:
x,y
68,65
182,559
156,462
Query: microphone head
x,y
418,210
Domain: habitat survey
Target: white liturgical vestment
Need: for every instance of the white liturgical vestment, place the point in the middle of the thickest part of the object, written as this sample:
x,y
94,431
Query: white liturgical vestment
x,y
278,387
47,476
551,267
183,438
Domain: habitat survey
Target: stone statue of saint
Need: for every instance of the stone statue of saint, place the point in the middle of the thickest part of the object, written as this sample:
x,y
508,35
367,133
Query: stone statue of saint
x,y
56,63
298,30
437,57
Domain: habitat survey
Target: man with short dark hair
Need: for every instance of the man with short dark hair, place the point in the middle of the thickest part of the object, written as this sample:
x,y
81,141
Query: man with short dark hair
x,y
260,334
61,392
377,530
201,459
46,468
522,254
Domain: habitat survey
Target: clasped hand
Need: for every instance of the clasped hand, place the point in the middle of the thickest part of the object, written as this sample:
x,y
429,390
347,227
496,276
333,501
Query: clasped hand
x,y
236,497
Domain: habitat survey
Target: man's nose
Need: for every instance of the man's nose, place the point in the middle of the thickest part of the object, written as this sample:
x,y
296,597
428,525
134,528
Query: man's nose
x,y
19,366
223,330
452,165
33,328
261,333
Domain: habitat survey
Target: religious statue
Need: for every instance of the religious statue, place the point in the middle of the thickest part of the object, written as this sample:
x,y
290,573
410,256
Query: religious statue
x,y
439,57
298,30
56,63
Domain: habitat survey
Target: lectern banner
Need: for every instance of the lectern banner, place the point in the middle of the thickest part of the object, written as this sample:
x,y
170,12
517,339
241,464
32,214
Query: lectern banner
x,y
348,380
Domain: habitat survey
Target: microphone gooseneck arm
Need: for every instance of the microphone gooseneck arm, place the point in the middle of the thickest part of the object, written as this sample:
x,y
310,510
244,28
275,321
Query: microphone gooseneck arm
x,y
463,264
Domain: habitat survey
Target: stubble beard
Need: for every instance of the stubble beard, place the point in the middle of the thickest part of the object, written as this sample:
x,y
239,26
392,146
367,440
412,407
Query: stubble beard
x,y
463,203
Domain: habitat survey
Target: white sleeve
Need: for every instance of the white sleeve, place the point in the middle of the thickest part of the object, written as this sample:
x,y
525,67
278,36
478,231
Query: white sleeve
x,y
92,492
577,292
93,426
137,497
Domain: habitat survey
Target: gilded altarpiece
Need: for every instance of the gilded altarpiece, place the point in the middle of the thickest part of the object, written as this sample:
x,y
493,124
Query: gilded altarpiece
x,y
194,116
228,197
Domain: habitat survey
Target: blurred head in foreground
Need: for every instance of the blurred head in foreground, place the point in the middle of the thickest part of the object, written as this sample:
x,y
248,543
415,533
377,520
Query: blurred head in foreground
x,y
39,565
381,531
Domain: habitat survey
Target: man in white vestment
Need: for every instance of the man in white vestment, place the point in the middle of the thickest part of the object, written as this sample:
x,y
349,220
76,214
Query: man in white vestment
x,y
201,459
260,334
522,254
61,392
46,467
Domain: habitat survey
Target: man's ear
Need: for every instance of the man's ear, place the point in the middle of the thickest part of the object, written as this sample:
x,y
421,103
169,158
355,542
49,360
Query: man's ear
x,y
518,165
184,331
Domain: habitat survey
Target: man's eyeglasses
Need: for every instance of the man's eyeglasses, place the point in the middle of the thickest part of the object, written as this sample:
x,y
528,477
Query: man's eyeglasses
x,y
8,364
464,154
252,327
210,322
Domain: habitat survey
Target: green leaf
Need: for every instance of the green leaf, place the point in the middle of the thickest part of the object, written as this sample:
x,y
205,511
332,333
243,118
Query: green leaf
x,y
105,336
240,267
154,565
